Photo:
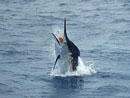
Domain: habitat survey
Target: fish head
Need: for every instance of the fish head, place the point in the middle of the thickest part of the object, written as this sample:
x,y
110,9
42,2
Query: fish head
x,y
62,38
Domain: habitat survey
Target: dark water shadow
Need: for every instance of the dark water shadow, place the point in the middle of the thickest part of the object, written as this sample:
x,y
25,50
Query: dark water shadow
x,y
66,87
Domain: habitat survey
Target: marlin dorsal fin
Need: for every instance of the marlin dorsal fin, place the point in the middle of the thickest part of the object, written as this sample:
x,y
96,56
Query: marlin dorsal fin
x,y
65,34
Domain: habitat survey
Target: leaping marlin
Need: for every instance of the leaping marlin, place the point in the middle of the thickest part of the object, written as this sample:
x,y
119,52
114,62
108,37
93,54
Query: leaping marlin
x,y
69,52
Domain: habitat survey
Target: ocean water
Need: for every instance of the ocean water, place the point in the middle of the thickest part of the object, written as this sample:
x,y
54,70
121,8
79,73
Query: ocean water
x,y
100,29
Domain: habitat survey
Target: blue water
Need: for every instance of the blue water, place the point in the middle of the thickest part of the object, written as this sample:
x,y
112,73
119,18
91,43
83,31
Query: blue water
x,y
100,29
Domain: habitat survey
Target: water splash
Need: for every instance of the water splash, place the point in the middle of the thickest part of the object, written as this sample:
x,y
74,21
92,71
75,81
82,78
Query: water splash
x,y
82,69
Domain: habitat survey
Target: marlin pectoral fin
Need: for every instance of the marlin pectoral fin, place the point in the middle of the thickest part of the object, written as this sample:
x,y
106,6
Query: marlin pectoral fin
x,y
56,61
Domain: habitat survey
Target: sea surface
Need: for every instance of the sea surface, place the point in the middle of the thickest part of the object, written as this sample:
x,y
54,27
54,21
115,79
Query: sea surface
x,y
100,29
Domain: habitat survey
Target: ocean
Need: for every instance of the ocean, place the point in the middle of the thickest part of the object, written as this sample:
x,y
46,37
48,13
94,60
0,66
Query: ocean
x,y
100,29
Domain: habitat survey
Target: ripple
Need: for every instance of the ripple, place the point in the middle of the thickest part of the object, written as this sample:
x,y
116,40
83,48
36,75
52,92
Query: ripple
x,y
63,4
111,90
12,52
121,20
5,89
108,75
69,82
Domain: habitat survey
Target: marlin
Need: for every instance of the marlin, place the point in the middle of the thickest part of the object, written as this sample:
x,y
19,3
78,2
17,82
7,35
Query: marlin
x,y
69,52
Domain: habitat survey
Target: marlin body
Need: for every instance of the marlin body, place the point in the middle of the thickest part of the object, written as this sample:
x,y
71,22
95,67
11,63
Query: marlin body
x,y
67,52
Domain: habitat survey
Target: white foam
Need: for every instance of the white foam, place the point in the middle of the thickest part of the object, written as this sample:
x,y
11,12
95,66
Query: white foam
x,y
82,69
